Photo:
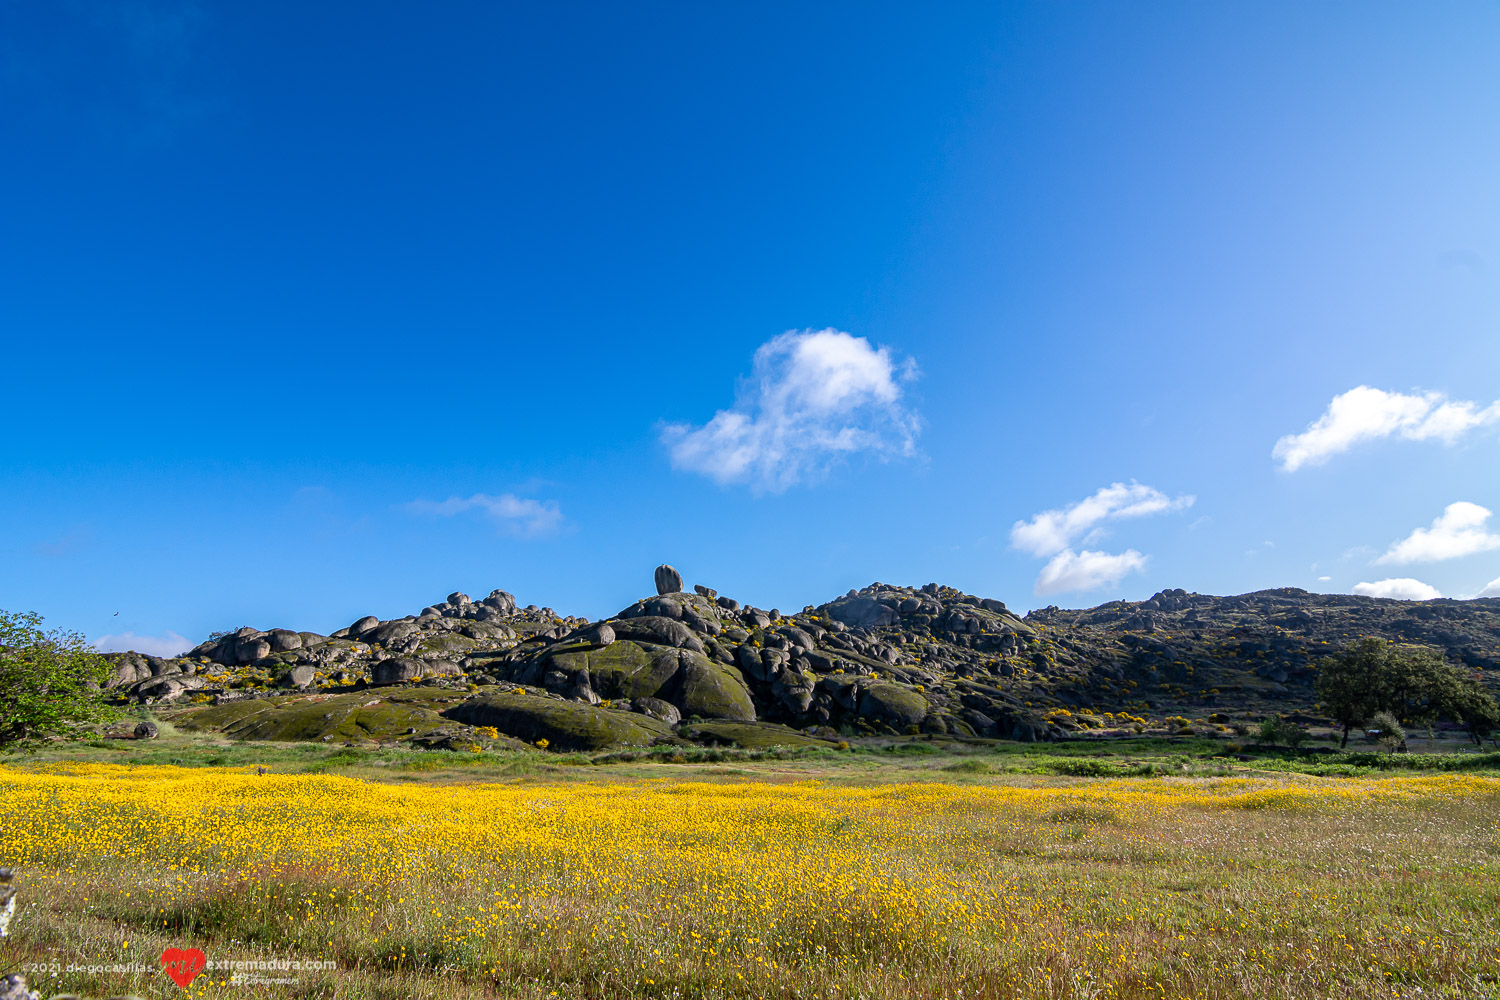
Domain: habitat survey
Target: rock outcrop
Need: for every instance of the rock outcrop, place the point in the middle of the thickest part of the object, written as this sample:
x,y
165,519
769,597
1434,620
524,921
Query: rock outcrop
x,y
880,660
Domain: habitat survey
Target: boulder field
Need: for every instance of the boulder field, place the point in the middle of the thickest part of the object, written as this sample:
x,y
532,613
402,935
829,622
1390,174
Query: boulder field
x,y
695,666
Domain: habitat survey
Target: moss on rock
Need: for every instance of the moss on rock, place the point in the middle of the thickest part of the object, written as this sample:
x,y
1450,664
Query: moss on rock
x,y
892,703
713,690
448,646
565,725
342,717
624,669
750,735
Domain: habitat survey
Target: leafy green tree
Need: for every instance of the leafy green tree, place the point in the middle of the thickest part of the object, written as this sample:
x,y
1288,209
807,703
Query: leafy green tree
x,y
50,681
1464,698
1347,683
1413,683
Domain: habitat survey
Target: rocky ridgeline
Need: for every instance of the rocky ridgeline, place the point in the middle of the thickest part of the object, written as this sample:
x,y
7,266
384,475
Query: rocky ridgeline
x,y
427,646
1289,621
881,660
1257,654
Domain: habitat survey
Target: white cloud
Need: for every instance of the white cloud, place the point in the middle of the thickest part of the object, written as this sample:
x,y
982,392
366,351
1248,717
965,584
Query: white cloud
x,y
1401,589
1052,531
1365,414
1491,589
518,515
814,397
167,644
1324,579
1458,531
1069,570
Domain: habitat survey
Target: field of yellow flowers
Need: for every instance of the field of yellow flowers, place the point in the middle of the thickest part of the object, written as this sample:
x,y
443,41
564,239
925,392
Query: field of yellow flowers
x,y
756,885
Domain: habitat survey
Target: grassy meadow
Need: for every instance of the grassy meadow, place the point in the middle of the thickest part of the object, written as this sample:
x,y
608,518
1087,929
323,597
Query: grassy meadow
x,y
907,873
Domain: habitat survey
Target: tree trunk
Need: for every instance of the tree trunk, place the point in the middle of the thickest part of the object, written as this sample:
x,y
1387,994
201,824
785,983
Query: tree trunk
x,y
1345,741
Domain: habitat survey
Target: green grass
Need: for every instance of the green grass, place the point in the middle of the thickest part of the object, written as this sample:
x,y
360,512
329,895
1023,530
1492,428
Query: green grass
x,y
919,758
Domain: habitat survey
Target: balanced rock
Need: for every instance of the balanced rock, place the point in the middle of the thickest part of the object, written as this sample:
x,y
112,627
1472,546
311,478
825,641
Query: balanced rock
x,y
668,580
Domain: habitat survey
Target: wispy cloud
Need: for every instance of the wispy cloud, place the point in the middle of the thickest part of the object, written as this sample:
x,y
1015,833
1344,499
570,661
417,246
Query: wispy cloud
x,y
167,644
1366,414
1400,588
520,516
1070,571
1458,531
814,397
1054,530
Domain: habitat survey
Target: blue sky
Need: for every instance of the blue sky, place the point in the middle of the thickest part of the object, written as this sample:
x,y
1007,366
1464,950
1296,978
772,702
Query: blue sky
x,y
317,311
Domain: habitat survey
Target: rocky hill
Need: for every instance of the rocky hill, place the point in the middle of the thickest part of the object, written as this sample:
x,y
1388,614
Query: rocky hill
x,y
686,665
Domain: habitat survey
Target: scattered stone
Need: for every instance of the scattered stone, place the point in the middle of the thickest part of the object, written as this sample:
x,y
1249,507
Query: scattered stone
x,y
13,987
299,677
396,670
663,711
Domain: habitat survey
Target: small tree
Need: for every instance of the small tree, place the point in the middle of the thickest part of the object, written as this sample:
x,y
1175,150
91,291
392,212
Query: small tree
x,y
51,681
1386,728
1285,731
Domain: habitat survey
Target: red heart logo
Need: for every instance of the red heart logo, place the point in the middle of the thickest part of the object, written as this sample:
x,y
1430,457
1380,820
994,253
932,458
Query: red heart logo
x,y
183,966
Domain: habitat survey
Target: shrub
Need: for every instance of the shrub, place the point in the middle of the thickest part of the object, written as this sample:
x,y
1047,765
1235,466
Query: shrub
x,y
1386,728
51,681
1283,731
